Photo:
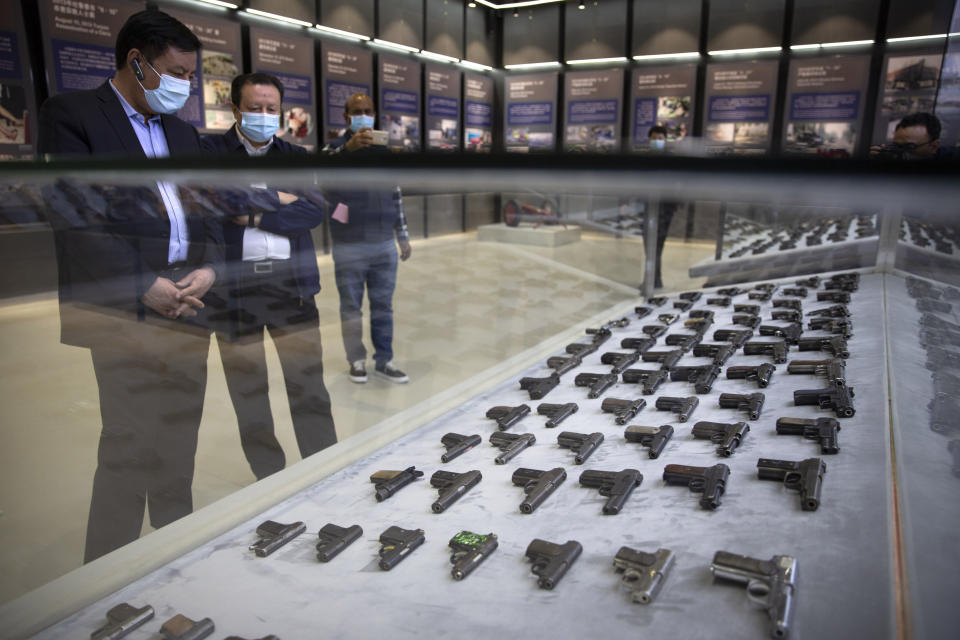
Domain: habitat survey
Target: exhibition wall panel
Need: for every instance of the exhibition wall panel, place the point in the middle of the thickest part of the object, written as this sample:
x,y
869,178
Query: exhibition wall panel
x,y
18,124
346,69
662,28
597,33
531,112
442,84
398,108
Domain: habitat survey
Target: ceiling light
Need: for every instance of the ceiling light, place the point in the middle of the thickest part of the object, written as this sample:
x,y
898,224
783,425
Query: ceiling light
x,y
516,13
581,6
278,18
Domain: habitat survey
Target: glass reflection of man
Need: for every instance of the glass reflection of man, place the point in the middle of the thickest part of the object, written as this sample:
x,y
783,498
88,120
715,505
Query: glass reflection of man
x,y
658,142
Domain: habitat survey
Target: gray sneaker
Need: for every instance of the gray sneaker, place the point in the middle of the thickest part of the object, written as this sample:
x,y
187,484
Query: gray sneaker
x,y
391,373
358,371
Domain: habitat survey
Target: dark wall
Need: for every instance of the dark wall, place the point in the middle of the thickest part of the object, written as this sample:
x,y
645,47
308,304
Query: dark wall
x,y
401,21
666,27
816,21
482,28
355,16
743,24
305,10
533,36
595,32
918,17
445,27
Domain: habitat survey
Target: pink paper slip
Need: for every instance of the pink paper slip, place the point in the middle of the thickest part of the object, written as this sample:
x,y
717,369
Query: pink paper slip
x,y
341,213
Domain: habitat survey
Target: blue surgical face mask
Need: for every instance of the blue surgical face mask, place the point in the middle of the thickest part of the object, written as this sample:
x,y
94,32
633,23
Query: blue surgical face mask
x,y
170,96
359,122
259,127
658,145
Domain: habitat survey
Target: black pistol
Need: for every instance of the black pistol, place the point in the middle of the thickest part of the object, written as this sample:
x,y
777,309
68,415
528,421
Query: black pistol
x,y
551,561
746,320
396,544
538,485
562,364
506,417
598,382
539,387
702,377
649,379
180,627
790,333
836,311
761,374
457,445
334,539
752,403
511,444
637,344
387,483
834,345
786,315
469,550
452,487
654,438
719,352
643,573
736,337
615,485
770,584
805,476
832,325
581,444
838,397
666,358
684,407
622,408
823,430
710,481
727,437
274,535
832,369
776,350
619,361
557,413
121,620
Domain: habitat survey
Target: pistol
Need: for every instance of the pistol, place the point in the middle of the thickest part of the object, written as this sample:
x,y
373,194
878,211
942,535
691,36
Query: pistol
x,y
761,374
396,544
654,438
537,485
833,296
598,382
845,281
719,301
701,314
581,444
752,403
683,340
786,315
666,358
823,430
581,350
770,583
387,483
838,397
511,444
615,485
623,409
776,350
619,361
799,292
832,325
274,535
834,311
731,291
682,305
180,627
469,550
642,312
790,333
752,309
506,417
334,539
668,318
737,337
788,303
684,407
710,481
121,620
691,296
702,377
562,364
599,336
719,352
452,487
654,331
763,296
457,445
832,369
657,301
805,476
812,282
539,387
727,436
746,319
637,344
650,380
643,573
551,561
557,413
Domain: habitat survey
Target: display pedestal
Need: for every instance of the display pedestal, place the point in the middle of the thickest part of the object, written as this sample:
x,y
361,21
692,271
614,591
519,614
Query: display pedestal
x,y
542,236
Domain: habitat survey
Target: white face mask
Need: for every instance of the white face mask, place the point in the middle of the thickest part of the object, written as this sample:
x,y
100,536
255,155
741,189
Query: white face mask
x,y
170,96
658,145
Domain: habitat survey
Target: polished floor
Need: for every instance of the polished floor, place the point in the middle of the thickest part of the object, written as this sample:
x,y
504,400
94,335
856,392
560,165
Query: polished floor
x,y
461,306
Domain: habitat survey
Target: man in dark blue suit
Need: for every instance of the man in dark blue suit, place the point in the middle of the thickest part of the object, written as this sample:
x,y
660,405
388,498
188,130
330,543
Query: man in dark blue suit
x,y
135,267
271,282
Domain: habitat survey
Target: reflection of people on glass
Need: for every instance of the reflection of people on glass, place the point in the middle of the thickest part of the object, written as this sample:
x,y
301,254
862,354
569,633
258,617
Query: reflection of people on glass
x,y
658,140
134,281
12,102
298,122
272,278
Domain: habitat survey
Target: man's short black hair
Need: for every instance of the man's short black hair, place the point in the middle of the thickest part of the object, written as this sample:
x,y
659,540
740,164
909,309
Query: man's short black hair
x,y
153,32
657,129
242,80
921,119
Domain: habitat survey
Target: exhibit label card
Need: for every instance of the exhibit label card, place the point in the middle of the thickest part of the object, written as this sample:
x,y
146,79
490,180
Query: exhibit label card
x,y
18,108
443,108
592,102
531,105
661,96
290,58
739,107
478,116
399,108
908,85
346,70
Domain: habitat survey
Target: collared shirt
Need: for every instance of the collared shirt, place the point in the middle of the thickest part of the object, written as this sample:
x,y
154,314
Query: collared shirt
x,y
258,244
252,150
153,140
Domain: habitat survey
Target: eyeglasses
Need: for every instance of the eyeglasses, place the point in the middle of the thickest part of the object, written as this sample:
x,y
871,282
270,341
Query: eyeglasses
x,y
912,146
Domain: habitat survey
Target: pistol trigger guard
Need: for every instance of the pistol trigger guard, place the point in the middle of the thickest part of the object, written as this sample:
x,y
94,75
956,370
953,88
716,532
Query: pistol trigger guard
x,y
758,592
792,480
697,484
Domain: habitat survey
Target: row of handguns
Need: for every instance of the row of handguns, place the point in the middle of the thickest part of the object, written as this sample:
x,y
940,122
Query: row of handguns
x,y
124,618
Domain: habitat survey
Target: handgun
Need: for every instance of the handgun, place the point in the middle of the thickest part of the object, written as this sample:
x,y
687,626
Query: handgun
x,y
838,397
752,309
701,314
581,444
682,305
786,315
615,485
537,485
790,333
710,481
457,445
684,407
788,303
581,349
835,345
691,296
763,296
654,438
702,377
799,292
666,358
334,539
812,282
180,627
731,291
506,417
274,535
643,573
562,364
834,311
650,380
121,620
727,437
654,331
761,374
683,340
805,476
833,296
770,584
452,487
637,344
598,382
539,387
469,550
551,561
657,301
511,444
832,369
719,352
599,336
844,281
668,318
719,301
752,403
557,413
387,483
396,544
746,319
737,337
776,350
823,430
623,409
642,312
619,361
832,325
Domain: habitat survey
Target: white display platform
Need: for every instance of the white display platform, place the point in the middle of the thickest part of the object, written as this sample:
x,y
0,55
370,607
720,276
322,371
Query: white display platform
x,y
526,233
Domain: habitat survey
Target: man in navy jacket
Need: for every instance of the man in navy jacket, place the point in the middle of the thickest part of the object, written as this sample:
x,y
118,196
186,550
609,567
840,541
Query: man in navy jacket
x,y
271,280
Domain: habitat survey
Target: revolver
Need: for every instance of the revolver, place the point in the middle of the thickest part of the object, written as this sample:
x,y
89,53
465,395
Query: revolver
x,y
761,373
657,301
654,438
651,380
551,561
642,311
719,352
274,535
752,403
469,550
643,573
666,358
537,485
625,410
691,296
581,444
770,584
121,620
557,413
834,345
727,436
511,444
334,539
452,487
598,382
396,544
615,485
805,476
684,407
838,397
710,481
387,483
539,387
702,377
776,350
457,445
823,430
506,417
619,361
833,369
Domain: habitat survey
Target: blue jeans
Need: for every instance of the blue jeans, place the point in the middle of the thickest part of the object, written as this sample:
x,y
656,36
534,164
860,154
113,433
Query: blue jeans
x,y
374,266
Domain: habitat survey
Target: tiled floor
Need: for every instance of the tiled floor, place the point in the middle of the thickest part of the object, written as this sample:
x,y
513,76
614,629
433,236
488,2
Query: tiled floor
x,y
461,306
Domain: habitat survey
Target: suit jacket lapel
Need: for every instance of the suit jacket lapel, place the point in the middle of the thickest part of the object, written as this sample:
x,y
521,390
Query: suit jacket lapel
x,y
118,120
